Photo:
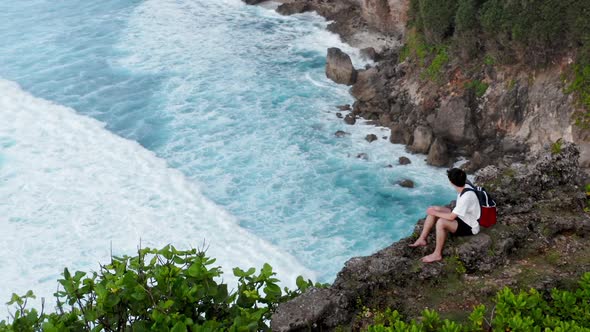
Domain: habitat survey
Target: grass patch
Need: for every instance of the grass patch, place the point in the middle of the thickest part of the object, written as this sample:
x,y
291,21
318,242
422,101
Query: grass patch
x,y
478,87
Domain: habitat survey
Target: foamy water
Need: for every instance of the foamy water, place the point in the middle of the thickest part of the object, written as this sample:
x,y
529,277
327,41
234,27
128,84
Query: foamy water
x,y
216,122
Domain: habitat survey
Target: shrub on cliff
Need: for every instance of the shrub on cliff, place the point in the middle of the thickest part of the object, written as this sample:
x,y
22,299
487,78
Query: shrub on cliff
x,y
157,290
562,310
534,32
436,18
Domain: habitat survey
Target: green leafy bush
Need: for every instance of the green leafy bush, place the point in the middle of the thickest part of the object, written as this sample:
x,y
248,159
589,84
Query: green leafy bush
x,y
157,290
561,311
437,18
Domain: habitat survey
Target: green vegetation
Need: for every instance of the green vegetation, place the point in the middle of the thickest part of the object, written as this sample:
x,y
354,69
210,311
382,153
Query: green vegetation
x,y
434,70
556,146
561,310
478,87
581,87
415,47
157,290
534,32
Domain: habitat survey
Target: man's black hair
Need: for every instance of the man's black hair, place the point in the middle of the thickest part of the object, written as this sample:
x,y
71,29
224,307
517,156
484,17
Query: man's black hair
x,y
457,177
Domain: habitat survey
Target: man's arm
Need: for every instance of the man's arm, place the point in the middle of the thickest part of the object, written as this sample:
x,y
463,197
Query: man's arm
x,y
441,212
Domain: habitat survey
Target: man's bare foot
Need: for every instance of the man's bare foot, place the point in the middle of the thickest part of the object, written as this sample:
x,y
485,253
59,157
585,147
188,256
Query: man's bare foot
x,y
418,243
431,258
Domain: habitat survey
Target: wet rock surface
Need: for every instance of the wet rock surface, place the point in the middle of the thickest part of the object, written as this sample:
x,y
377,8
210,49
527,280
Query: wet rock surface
x,y
339,67
404,161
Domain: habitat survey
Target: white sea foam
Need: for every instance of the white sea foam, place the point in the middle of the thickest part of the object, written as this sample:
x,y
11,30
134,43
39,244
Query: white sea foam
x,y
252,114
69,188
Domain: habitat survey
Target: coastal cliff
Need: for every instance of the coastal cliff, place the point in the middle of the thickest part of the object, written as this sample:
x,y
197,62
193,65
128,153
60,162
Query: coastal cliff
x,y
474,99
541,241
456,79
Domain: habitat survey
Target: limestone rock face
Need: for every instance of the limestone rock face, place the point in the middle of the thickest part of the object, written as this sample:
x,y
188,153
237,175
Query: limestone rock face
x,y
437,155
399,134
422,140
454,122
339,67
389,16
366,86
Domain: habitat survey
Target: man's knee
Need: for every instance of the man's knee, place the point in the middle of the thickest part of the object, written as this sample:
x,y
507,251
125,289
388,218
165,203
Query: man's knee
x,y
443,224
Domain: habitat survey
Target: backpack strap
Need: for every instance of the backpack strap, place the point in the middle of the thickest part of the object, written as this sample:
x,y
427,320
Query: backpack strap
x,y
466,190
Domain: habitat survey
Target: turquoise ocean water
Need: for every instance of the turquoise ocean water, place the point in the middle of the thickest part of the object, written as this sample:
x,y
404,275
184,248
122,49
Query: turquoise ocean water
x,y
196,123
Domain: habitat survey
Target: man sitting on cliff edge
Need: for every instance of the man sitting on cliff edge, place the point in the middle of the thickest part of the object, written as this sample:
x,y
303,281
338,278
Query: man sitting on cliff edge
x,y
461,221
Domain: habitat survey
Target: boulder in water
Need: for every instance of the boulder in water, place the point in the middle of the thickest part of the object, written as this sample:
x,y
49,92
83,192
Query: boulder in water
x,y
340,133
404,161
339,67
406,183
371,137
437,155
422,139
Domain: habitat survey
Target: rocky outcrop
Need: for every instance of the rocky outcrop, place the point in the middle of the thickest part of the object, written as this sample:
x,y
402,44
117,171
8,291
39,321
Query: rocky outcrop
x,y
366,86
339,67
540,214
290,8
438,155
519,110
423,138
389,16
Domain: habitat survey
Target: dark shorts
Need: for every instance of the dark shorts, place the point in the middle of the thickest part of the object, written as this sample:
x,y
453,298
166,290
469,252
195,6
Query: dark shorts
x,y
463,229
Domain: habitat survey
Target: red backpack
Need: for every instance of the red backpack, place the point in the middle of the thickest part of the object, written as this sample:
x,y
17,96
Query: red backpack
x,y
486,203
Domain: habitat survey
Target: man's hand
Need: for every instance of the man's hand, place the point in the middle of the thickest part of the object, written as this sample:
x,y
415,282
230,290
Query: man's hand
x,y
431,211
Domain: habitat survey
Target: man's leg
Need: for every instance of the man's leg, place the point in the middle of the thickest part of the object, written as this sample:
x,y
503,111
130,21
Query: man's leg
x,y
428,224
443,226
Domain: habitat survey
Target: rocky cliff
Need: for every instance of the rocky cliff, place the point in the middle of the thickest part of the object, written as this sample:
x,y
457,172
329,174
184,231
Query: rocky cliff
x,y
540,241
487,112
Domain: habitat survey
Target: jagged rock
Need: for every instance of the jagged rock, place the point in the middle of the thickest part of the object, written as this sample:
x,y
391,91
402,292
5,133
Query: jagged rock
x,y
454,122
362,156
422,140
406,183
399,134
404,161
475,163
344,107
437,155
339,67
369,53
349,119
366,86
290,8
371,137
299,312
384,119
341,133
389,16
475,251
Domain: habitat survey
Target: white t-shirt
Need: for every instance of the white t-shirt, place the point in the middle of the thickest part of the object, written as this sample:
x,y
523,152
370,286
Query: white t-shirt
x,y
468,210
